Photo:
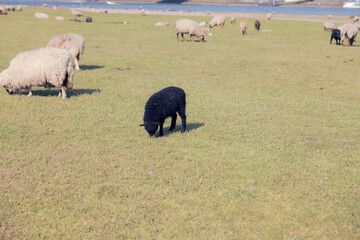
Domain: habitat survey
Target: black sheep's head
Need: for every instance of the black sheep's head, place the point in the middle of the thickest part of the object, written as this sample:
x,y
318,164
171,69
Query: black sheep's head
x,y
150,127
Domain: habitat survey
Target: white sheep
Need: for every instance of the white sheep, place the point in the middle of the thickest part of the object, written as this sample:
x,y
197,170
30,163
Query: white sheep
x,y
72,42
244,26
45,67
202,24
77,13
59,18
218,20
41,15
186,26
355,19
232,20
329,26
207,31
348,31
269,16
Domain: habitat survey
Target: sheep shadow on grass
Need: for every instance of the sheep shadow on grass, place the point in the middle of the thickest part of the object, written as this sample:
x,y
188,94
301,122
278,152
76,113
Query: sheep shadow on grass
x,y
90,67
189,128
55,92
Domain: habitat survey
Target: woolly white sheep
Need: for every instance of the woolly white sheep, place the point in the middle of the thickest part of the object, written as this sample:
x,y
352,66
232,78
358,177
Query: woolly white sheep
x,y
218,20
207,31
349,31
77,13
244,26
232,20
186,26
59,18
41,15
45,67
72,42
202,24
329,26
269,16
355,19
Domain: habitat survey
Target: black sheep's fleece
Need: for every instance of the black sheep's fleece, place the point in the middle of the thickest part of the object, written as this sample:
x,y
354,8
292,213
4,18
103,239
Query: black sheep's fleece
x,y
163,104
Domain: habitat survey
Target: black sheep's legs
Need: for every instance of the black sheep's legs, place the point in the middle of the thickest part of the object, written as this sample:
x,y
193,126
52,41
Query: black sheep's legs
x,y
161,128
173,122
183,118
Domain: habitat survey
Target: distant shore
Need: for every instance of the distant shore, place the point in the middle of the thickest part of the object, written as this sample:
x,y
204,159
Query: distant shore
x,y
315,3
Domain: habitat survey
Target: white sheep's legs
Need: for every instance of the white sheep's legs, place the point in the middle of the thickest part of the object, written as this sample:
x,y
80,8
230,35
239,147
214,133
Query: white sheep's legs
x,y
77,65
63,92
30,92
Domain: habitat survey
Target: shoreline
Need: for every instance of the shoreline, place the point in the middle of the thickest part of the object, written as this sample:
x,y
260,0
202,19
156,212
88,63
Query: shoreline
x,y
248,3
262,16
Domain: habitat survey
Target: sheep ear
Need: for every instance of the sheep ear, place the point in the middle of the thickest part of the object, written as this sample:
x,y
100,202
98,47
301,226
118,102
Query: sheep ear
x,y
142,125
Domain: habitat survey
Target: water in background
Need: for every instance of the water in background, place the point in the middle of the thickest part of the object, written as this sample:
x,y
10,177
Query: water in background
x,y
193,7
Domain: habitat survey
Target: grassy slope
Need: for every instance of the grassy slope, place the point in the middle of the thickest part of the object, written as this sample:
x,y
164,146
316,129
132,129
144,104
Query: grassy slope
x,y
272,149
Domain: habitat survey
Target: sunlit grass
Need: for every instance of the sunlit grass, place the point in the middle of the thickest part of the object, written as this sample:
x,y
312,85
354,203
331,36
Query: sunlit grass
x,y
272,149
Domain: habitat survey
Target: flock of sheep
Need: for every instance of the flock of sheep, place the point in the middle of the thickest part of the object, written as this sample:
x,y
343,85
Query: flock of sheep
x,y
46,67
53,66
348,30
186,26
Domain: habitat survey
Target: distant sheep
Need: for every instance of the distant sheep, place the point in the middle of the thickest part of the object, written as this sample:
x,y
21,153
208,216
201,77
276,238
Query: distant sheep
x,y
19,8
207,31
232,20
75,20
349,31
41,15
218,20
46,67
329,26
162,24
77,13
269,16
59,18
74,43
10,8
335,34
257,25
88,19
244,26
355,19
161,105
3,11
186,26
202,24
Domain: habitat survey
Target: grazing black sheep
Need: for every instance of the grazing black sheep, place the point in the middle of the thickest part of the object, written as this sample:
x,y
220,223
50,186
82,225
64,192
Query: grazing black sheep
x,y
88,19
161,105
335,34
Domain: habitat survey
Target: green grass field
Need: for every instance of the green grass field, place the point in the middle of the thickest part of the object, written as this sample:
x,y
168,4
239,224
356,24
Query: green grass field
x,y
271,151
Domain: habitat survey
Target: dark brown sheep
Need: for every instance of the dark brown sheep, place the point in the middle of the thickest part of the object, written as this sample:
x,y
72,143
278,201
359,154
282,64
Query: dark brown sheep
x,y
257,25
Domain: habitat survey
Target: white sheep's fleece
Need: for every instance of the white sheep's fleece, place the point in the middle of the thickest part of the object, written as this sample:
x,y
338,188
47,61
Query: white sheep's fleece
x,y
41,15
47,67
350,30
329,25
244,26
188,26
217,21
72,42
202,24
